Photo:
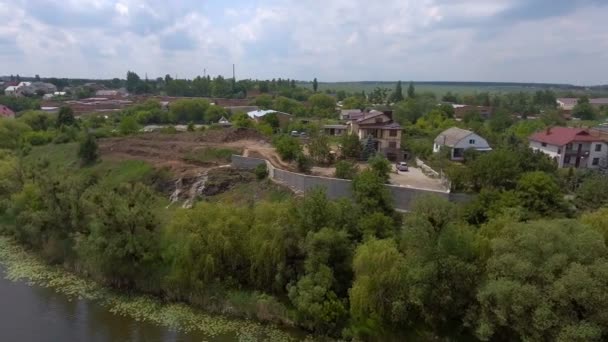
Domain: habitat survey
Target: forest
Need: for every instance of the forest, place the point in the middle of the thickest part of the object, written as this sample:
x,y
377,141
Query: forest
x,y
525,259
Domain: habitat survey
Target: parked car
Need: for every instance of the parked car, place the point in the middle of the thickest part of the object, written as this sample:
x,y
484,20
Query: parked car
x,y
402,166
295,134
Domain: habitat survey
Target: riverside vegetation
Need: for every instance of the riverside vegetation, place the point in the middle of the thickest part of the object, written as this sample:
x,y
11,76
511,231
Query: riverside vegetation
x,y
519,262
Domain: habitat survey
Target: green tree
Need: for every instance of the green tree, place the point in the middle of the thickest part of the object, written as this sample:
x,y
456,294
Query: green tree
x,y
411,92
322,105
186,110
12,133
303,162
315,85
379,164
65,117
545,281
319,149
353,102
287,147
350,146
592,192
369,148
397,95
370,193
133,82
87,151
263,101
583,109
214,114
540,193
346,169
128,125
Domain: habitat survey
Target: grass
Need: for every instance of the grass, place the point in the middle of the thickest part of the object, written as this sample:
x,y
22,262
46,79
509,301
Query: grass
x,y
211,155
245,193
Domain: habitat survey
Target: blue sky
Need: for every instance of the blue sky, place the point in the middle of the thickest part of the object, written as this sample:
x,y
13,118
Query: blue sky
x,y
562,41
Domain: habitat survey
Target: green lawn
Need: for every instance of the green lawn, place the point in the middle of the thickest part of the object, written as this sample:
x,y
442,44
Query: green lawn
x,y
247,193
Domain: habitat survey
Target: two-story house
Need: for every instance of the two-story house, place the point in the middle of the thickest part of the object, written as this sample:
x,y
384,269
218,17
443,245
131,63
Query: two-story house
x,y
385,133
571,147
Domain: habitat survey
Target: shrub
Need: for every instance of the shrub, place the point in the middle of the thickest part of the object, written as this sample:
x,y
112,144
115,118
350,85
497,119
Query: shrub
x,y
304,163
261,171
38,138
346,170
287,147
87,151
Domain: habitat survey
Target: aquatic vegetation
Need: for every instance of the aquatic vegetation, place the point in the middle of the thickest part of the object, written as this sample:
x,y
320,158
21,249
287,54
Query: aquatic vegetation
x,y
20,265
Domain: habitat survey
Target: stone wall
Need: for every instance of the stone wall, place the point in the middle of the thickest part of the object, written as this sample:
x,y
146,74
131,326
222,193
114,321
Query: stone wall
x,y
335,188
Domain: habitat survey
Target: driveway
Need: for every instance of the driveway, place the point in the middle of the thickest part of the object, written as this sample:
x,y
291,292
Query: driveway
x,y
414,178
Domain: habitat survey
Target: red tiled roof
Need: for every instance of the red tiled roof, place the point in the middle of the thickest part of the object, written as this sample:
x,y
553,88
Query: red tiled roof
x,y
560,136
6,112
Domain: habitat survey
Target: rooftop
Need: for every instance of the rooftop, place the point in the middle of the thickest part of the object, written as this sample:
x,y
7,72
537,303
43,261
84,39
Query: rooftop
x,y
451,136
559,136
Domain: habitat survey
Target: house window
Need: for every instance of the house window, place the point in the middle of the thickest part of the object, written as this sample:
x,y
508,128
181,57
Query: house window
x,y
596,161
393,133
544,144
567,160
598,148
392,144
569,147
559,151
472,141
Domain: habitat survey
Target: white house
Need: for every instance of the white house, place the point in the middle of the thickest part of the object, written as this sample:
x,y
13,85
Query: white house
x,y
458,140
571,147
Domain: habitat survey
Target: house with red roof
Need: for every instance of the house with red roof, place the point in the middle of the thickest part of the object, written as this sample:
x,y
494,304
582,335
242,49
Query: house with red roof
x,y
571,147
385,133
6,112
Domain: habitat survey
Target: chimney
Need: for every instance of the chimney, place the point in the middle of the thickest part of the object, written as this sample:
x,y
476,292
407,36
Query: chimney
x,y
548,132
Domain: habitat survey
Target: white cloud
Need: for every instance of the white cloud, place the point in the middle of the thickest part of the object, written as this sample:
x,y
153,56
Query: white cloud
x,y
331,40
121,9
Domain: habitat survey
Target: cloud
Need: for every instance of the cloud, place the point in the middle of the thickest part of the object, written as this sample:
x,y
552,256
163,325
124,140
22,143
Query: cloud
x,y
482,40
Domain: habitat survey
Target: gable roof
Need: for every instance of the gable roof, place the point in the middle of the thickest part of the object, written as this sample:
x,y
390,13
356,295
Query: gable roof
x,y
6,112
370,115
560,136
451,136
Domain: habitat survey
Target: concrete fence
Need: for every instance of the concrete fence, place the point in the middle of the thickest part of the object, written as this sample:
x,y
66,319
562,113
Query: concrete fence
x,y
403,197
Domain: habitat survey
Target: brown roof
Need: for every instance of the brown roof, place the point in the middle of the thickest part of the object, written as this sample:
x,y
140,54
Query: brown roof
x,y
6,112
560,136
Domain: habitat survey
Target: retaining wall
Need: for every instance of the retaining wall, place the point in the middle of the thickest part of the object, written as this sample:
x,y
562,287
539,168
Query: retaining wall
x,y
335,188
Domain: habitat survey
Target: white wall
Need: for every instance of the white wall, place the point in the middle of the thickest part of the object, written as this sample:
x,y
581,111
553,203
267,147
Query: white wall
x,y
593,154
550,150
479,142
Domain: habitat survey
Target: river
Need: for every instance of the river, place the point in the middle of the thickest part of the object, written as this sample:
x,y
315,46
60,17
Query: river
x,y
38,314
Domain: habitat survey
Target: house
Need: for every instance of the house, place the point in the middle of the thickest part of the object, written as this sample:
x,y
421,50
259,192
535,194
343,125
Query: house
x,y
335,129
346,114
386,133
224,122
568,103
571,147
461,110
257,115
459,140
6,112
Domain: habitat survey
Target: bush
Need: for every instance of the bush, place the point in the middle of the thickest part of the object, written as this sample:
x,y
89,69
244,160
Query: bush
x,y
87,151
190,126
379,164
346,170
287,147
38,138
261,171
304,163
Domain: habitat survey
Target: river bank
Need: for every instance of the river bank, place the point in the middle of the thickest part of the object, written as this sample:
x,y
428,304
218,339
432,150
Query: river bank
x,y
20,265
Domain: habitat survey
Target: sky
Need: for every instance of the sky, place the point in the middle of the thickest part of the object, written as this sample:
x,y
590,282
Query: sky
x,y
553,41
